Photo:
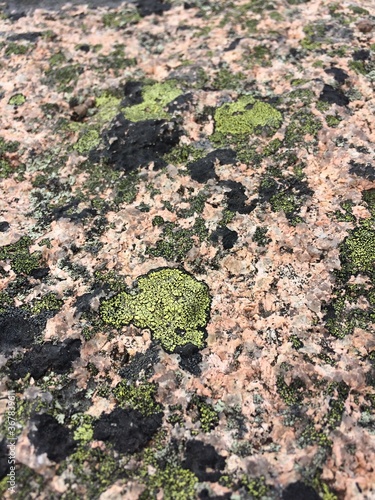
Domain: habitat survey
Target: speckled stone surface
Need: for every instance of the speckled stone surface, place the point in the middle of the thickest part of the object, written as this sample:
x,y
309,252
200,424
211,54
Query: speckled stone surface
x,y
187,259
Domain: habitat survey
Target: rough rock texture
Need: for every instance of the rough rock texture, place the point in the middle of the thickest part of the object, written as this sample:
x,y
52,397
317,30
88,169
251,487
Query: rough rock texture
x,y
187,249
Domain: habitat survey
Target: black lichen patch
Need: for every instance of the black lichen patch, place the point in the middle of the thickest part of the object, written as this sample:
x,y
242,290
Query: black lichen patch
x,y
338,74
141,363
236,198
203,460
71,398
18,329
205,495
83,302
361,55
298,490
190,357
31,36
365,170
51,437
148,7
41,358
133,93
333,96
233,45
129,145
181,103
127,430
204,169
227,237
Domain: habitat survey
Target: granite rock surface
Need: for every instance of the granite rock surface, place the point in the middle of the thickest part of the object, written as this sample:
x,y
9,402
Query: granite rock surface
x,y
187,249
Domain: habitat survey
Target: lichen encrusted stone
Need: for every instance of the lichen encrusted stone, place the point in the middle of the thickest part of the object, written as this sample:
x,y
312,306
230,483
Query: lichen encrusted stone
x,y
170,302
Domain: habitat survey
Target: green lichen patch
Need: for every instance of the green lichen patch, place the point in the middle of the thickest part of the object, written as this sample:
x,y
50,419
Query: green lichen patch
x,y
18,49
93,467
155,98
343,314
21,260
49,302
17,99
183,154
244,117
63,77
106,108
358,250
302,123
170,302
116,60
314,35
283,191
205,413
88,140
290,393
175,482
260,236
139,397
347,214
175,242
226,79
256,487
121,19
368,196
6,167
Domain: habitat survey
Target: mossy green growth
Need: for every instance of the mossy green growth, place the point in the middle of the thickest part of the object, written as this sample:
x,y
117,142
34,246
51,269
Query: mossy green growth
x,y
107,106
88,141
315,35
84,428
358,250
170,302
369,197
226,79
244,117
291,394
284,201
177,484
121,19
5,301
116,60
155,98
312,436
175,242
49,302
347,216
260,236
182,154
207,415
16,48
17,100
115,281
333,120
257,486
302,123
343,315
6,168
64,77
94,468
139,397
21,260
